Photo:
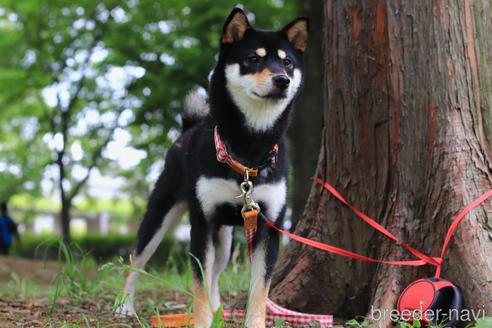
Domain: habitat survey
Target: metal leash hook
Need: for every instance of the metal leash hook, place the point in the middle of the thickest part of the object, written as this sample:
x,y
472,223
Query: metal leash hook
x,y
251,209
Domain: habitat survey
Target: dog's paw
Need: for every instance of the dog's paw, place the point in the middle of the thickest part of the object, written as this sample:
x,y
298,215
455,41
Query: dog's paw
x,y
127,309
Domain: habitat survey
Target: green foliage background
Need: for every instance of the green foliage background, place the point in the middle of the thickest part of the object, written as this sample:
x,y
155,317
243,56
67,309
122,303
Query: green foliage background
x,y
47,44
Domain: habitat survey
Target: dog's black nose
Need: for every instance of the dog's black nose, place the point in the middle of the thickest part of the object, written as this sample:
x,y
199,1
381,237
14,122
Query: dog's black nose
x,y
281,81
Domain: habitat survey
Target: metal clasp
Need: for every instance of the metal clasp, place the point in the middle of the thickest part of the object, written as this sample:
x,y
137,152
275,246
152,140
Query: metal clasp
x,y
246,194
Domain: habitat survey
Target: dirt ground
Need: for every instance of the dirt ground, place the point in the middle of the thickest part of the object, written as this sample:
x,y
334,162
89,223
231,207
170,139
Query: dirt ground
x,y
33,270
40,312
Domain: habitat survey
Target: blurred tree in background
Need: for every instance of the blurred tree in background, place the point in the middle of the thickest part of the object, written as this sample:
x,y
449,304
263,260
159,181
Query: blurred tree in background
x,y
80,79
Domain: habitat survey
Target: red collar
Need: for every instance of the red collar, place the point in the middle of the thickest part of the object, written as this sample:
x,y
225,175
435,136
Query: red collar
x,y
223,156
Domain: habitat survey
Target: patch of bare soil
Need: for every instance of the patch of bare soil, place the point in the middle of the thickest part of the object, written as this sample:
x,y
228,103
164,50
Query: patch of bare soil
x,y
38,271
40,313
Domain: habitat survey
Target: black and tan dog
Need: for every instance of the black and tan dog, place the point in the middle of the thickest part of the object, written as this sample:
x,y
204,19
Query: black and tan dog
x,y
252,88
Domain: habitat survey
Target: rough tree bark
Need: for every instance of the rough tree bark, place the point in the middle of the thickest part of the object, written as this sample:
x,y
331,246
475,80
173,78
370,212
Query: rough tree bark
x,y
408,97
305,129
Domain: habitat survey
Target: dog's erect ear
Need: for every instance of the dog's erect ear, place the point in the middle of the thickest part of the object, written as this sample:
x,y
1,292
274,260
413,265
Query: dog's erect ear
x,y
297,33
236,25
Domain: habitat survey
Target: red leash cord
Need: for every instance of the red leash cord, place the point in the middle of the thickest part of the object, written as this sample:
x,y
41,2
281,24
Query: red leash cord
x,y
457,221
337,250
378,227
423,259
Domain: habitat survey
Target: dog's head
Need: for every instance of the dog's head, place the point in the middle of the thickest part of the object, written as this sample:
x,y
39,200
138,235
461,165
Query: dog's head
x,y
263,69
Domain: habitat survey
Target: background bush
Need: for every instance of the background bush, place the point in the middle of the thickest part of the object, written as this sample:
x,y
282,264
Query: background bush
x,y
102,248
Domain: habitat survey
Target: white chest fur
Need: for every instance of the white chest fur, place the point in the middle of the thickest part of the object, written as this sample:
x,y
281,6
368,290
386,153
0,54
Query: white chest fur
x,y
212,192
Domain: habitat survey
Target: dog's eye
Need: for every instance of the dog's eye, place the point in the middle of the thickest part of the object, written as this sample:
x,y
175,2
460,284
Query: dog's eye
x,y
287,62
253,59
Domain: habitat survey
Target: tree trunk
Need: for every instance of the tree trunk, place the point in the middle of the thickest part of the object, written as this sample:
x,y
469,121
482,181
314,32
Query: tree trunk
x,y
65,201
408,97
65,220
305,129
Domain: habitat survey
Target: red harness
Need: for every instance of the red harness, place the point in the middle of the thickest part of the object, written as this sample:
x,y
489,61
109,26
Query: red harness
x,y
223,156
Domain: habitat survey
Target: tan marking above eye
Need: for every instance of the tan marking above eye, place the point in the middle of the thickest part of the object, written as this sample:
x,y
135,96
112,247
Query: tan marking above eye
x,y
281,54
261,52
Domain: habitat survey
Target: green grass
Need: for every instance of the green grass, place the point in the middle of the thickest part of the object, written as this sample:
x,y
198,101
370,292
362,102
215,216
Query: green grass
x,y
97,290
21,288
485,322
81,293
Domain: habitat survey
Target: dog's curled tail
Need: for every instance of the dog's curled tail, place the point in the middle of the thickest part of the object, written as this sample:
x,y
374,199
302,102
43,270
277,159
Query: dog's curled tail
x,y
196,108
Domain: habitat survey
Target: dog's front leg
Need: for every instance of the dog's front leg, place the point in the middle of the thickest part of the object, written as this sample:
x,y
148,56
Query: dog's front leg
x,y
264,258
258,292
